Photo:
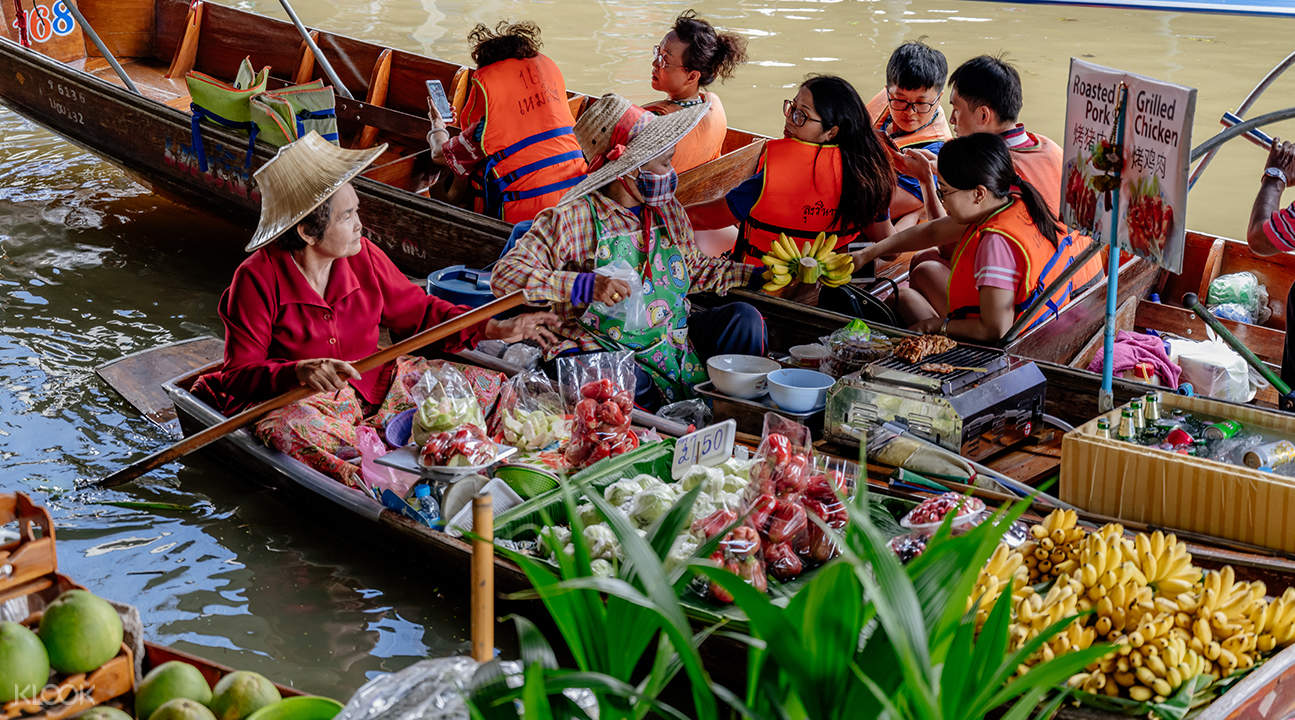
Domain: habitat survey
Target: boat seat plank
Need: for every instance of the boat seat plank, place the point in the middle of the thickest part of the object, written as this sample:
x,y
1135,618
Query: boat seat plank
x,y
187,51
125,26
714,179
407,89
1265,342
138,377
229,35
1124,320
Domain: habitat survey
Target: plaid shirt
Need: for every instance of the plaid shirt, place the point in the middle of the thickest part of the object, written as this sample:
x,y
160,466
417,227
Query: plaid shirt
x,y
561,245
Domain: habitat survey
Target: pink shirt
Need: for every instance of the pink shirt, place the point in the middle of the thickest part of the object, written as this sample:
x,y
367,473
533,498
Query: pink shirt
x,y
996,263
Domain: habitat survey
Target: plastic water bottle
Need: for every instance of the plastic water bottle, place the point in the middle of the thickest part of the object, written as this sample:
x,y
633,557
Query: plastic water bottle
x,y
427,506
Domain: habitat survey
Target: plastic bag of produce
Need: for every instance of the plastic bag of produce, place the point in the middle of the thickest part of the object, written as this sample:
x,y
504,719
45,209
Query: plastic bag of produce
x,y
632,311
740,552
529,414
1242,288
1233,311
445,402
599,392
462,447
852,347
693,412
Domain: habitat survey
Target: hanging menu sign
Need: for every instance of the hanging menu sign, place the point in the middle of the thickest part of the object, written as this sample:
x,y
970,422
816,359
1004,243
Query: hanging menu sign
x,y
1149,169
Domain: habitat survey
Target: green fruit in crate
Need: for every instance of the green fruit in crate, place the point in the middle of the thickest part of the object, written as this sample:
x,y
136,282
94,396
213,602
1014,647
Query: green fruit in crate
x,y
81,632
182,709
104,712
169,681
24,665
240,694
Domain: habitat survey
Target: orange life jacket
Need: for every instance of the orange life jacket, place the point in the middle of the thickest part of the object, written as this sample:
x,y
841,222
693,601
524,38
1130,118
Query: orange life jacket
x,y
937,130
802,188
1035,257
1039,163
532,156
705,142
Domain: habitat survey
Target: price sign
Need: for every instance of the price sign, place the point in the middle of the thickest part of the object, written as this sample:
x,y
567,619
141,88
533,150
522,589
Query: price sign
x,y
709,446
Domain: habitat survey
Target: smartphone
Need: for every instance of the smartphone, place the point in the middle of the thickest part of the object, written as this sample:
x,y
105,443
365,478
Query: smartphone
x,y
442,103
1256,136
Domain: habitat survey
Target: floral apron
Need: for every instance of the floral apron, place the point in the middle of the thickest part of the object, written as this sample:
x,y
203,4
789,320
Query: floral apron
x,y
663,349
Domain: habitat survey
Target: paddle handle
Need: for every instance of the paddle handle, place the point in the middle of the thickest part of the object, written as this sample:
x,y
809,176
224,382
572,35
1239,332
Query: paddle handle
x,y
483,578
200,439
1193,303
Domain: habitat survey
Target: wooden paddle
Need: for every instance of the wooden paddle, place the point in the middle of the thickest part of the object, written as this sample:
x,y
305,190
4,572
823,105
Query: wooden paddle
x,y
215,432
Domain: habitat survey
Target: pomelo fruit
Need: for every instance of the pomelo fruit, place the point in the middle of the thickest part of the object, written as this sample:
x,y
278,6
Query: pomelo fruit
x,y
104,712
80,631
24,664
240,694
182,709
169,681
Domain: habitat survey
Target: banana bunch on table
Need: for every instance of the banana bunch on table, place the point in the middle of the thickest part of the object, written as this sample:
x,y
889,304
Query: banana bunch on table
x,y
814,261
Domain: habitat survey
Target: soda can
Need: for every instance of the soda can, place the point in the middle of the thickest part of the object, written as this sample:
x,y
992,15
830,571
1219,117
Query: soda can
x,y
1178,437
1222,429
1272,454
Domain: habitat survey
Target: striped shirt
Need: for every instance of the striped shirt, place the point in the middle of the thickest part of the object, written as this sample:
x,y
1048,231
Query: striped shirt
x,y
1280,229
561,245
1016,137
996,263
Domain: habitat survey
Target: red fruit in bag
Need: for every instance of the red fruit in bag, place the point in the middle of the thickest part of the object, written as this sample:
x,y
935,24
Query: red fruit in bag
x,y
714,523
761,508
821,545
762,478
826,487
792,476
777,448
610,413
717,593
586,415
599,390
752,571
741,542
782,561
624,442
625,400
787,521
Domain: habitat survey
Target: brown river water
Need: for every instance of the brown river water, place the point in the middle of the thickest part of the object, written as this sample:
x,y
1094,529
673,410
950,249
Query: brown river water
x,y
95,266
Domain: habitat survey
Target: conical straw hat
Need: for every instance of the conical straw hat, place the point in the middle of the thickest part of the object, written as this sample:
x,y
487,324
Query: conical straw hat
x,y
300,178
651,136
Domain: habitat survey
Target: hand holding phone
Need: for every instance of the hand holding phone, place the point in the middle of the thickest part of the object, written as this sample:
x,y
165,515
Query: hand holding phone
x,y
439,102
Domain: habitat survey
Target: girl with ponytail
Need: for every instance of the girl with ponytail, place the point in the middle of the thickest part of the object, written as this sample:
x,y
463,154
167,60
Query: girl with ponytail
x,y
1008,246
691,57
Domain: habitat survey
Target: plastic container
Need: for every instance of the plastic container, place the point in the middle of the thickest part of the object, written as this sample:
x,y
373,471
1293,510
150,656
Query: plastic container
x,y
908,546
399,428
971,512
501,496
798,390
424,501
740,376
809,356
527,480
460,285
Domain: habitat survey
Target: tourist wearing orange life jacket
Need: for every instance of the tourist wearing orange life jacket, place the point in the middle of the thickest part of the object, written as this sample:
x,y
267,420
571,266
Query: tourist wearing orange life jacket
x,y
690,57
1009,246
908,112
828,173
517,145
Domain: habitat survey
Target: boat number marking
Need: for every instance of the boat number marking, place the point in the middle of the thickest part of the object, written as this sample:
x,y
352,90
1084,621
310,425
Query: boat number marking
x,y
48,21
61,99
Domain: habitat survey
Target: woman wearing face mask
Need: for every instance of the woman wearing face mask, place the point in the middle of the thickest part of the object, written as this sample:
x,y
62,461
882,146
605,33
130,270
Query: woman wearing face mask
x,y
626,211
828,173
690,57
1007,246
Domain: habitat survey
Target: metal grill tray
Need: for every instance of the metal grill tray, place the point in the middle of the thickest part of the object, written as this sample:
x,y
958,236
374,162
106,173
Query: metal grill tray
x,y
896,370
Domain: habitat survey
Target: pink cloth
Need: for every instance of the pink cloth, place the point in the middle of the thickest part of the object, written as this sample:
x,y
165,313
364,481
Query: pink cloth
x,y
1133,348
996,263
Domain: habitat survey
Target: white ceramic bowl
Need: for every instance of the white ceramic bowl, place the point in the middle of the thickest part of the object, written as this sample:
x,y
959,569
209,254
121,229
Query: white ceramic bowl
x,y
740,376
798,390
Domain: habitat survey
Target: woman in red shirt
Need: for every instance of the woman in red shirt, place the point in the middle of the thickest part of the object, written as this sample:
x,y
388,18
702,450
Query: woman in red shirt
x,y
311,299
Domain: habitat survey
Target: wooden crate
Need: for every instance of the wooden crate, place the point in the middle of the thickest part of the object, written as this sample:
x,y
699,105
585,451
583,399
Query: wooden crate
x,y
28,569
1170,490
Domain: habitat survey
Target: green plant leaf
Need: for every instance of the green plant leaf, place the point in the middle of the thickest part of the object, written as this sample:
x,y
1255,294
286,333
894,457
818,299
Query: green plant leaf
x,y
535,650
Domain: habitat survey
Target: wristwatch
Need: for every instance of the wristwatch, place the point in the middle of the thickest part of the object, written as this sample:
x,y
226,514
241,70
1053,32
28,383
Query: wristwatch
x,y
1272,172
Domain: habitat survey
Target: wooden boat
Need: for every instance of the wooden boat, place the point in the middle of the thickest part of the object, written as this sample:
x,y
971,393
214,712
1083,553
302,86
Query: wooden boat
x,y
63,84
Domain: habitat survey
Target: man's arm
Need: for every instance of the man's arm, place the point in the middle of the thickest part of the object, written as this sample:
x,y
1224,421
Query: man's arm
x,y
1277,236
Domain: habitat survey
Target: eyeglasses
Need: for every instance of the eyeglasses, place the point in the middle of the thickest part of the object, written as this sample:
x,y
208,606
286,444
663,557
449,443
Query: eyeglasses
x,y
942,191
898,105
660,60
797,116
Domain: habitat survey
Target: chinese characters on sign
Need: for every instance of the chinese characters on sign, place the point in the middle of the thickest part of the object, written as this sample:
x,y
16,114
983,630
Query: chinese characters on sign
x,y
1151,166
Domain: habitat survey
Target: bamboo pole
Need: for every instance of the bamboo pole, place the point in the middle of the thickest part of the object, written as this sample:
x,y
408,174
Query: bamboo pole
x,y
483,578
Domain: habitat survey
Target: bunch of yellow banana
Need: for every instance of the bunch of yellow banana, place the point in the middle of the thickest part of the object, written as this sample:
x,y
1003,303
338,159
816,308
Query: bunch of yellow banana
x,y
1054,548
811,262
1228,622
1005,566
1165,563
1152,671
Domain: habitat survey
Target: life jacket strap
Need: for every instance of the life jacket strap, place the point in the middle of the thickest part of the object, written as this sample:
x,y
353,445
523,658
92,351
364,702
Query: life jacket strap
x,y
494,190
514,195
303,115
200,113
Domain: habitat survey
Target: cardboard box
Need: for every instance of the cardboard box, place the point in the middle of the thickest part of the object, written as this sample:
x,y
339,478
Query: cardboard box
x,y
1170,490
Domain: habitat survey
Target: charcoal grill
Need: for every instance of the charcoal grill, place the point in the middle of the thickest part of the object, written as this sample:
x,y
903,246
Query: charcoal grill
x,y
976,413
